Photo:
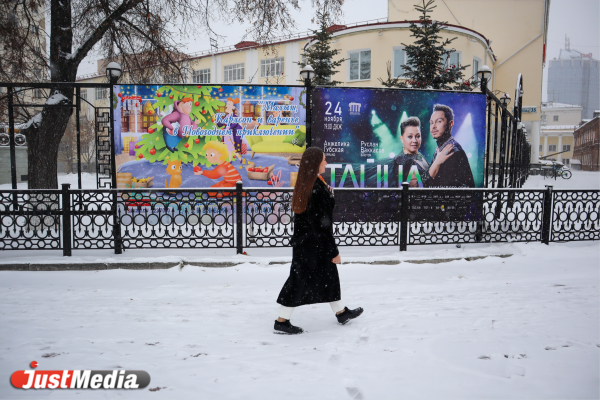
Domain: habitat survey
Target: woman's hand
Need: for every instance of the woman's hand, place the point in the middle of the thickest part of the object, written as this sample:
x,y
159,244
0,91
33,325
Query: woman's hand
x,y
441,158
337,259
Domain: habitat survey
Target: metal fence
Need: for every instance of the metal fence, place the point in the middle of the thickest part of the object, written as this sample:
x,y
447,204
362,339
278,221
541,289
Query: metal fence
x,y
257,217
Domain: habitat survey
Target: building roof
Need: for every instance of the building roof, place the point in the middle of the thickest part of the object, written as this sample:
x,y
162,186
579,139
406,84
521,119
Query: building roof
x,y
572,55
559,127
559,105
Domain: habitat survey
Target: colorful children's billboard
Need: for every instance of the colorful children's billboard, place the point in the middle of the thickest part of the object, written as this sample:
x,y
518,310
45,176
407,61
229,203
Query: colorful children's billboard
x,y
379,137
198,136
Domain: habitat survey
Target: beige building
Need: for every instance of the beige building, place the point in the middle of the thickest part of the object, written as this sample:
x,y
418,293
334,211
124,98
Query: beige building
x,y
559,121
509,37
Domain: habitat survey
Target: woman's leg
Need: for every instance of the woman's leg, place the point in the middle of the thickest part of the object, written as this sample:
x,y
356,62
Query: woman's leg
x,y
337,306
285,313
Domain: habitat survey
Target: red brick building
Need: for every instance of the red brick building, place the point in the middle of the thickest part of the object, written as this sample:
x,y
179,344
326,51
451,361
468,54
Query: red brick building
x,y
587,144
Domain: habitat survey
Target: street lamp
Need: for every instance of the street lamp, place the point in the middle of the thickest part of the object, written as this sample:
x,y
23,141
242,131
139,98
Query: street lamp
x,y
484,74
308,73
505,99
113,72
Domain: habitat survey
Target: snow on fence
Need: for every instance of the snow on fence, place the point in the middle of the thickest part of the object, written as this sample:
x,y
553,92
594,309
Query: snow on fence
x,y
257,217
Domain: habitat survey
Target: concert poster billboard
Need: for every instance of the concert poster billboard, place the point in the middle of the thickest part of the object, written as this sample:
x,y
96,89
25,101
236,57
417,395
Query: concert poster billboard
x,y
379,138
201,136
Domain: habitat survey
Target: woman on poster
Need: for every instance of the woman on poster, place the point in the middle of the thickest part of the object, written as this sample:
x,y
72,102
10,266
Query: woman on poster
x,y
410,136
313,274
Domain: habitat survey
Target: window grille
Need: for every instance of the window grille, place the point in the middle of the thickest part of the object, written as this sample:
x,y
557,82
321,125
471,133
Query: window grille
x,y
233,72
360,65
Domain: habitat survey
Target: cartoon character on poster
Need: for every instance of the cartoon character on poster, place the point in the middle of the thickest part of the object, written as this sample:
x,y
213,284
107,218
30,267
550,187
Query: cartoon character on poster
x,y
174,122
234,141
215,154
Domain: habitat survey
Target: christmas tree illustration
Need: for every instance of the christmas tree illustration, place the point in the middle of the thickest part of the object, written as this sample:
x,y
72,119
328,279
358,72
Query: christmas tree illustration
x,y
152,146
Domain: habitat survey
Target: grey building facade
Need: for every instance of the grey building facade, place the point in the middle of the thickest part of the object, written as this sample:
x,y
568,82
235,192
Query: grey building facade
x,y
574,78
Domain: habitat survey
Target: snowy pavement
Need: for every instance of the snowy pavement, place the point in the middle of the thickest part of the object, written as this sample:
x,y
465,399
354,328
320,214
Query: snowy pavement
x,y
521,327
579,180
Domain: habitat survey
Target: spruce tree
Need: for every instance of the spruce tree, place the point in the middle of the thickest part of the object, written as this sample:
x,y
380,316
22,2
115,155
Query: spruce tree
x,y
428,58
320,55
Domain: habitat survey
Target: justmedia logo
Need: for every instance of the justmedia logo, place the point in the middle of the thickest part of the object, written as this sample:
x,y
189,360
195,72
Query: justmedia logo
x,y
79,379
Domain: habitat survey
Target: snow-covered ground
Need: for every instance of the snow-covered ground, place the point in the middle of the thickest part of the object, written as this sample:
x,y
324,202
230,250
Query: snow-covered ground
x,y
88,181
579,180
521,327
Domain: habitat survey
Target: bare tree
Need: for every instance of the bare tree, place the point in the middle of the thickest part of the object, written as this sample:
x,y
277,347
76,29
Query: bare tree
x,y
140,34
67,150
273,78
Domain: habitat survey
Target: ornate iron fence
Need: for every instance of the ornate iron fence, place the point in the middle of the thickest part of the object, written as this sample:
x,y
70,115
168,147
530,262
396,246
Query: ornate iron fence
x,y
257,217
576,215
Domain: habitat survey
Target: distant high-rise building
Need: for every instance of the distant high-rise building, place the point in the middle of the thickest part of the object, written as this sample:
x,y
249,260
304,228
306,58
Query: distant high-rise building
x,y
574,78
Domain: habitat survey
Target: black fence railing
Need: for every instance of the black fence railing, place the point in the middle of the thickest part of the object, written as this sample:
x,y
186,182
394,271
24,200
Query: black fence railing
x,y
257,217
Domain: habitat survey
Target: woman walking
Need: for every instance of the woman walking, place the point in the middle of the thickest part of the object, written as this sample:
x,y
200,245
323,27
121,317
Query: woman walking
x,y
313,274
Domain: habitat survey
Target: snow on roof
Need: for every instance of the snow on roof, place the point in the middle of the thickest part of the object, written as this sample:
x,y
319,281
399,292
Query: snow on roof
x,y
559,105
559,127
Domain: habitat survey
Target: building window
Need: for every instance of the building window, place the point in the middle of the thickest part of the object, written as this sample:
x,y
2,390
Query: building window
x,y
476,63
233,72
100,93
452,59
83,94
566,147
399,60
360,65
566,161
35,29
555,118
551,147
271,67
541,147
201,76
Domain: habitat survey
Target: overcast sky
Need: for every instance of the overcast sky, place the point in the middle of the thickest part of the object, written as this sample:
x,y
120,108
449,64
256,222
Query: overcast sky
x,y
579,19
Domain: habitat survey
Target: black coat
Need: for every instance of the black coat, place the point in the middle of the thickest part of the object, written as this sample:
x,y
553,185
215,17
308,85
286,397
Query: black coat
x,y
313,277
455,172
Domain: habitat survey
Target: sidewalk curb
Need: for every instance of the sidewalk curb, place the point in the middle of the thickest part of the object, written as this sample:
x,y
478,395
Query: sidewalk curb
x,y
166,265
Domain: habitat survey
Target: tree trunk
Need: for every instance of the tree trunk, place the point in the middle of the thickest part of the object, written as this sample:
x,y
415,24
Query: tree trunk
x,y
43,143
44,139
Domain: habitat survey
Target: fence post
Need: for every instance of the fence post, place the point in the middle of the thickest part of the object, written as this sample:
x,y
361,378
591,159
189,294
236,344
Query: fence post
x,y
66,219
547,215
117,223
404,217
239,242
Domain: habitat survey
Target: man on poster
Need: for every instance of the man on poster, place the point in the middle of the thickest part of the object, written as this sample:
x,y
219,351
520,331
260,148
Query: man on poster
x,y
455,171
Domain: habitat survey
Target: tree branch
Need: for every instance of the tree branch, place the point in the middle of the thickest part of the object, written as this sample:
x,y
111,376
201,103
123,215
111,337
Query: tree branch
x,y
102,29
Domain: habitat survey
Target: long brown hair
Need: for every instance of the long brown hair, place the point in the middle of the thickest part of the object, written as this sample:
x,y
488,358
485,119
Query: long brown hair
x,y
307,175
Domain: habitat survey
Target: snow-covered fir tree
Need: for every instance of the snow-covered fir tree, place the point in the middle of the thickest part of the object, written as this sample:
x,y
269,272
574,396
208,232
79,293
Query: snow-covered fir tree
x,y
428,58
320,55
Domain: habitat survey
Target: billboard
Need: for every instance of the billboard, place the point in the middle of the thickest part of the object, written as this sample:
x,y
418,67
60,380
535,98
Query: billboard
x,y
361,133
200,136
379,138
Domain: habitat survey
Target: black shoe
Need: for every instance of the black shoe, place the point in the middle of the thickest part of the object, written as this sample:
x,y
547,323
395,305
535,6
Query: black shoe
x,y
347,315
286,328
